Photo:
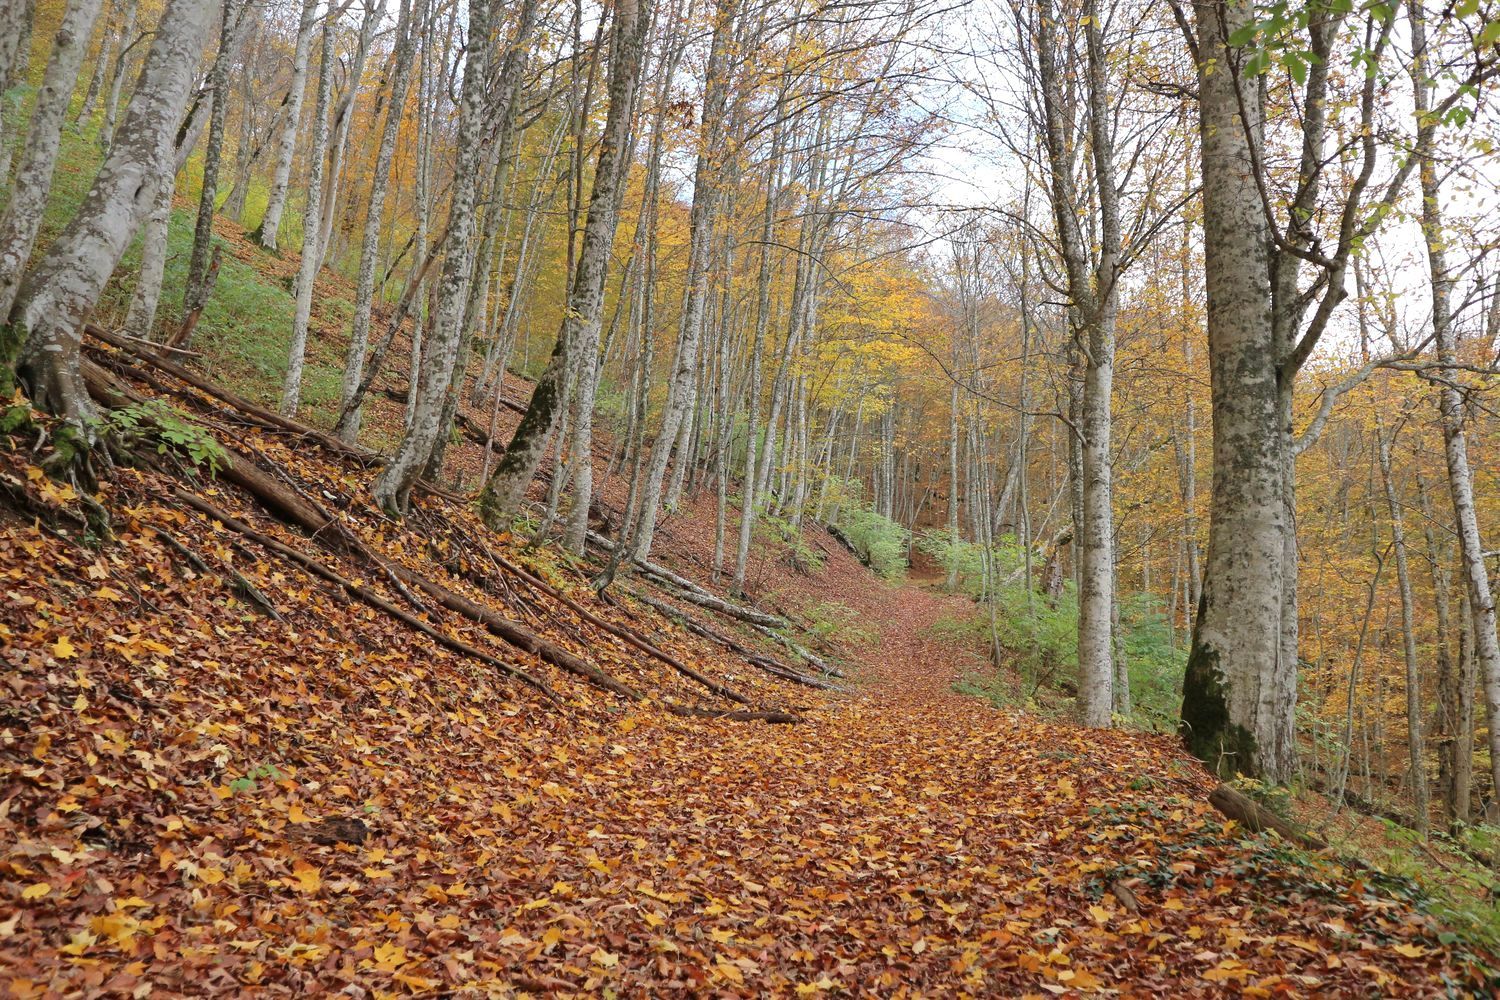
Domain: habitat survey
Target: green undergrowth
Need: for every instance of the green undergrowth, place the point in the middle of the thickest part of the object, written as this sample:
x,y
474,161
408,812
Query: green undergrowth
x,y
1040,639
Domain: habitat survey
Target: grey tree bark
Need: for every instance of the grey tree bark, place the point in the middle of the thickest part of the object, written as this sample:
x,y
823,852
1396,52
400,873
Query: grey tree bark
x,y
701,220
266,233
392,488
312,253
33,180
506,487
43,331
409,23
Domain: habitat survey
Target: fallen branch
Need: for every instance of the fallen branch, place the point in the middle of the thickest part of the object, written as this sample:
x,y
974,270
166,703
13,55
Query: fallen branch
x,y
766,663
692,592
371,598
1255,817
238,581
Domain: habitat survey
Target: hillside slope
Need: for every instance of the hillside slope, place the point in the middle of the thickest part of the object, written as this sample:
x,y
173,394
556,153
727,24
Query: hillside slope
x,y
263,739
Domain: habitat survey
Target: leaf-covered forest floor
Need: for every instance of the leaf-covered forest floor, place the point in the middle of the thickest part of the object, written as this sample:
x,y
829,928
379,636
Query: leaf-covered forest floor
x,y
224,771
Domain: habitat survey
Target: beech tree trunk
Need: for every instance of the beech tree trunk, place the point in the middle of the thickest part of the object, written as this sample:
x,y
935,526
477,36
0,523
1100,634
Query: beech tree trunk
x,y
1485,642
409,24
392,488
312,253
1237,712
577,341
33,180
57,293
701,220
141,317
197,290
270,223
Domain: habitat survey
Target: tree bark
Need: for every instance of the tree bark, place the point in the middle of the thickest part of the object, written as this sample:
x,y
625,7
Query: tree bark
x,y
1237,711
270,222
60,289
393,486
577,341
312,253
409,24
33,181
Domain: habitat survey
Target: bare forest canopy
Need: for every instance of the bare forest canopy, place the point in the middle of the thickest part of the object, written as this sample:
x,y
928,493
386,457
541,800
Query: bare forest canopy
x,y
1149,349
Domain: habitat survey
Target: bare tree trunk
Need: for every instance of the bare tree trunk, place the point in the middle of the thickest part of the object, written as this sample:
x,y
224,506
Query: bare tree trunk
x,y
343,115
1415,745
1093,304
270,222
59,290
196,294
409,24
312,253
393,486
1486,644
96,78
117,78
141,317
1235,712
702,218
577,341
15,54
28,200
1455,759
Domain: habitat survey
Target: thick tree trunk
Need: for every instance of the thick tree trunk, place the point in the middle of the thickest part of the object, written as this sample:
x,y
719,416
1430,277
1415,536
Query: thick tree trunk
x,y
270,222
1237,712
33,182
393,486
60,289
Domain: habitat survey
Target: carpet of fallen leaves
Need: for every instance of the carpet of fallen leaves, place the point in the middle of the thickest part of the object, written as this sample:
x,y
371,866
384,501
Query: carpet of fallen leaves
x,y
196,798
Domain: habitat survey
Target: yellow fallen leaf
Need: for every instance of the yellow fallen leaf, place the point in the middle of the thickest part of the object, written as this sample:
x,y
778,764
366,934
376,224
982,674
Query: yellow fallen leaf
x,y
1410,950
63,648
36,891
305,877
605,959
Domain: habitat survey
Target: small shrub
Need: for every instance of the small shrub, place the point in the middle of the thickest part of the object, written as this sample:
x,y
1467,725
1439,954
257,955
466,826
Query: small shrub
x,y
879,542
169,430
832,620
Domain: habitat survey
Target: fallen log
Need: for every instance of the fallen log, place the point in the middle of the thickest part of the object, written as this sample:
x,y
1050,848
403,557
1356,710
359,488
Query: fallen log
x,y
692,592
1256,818
287,505
766,663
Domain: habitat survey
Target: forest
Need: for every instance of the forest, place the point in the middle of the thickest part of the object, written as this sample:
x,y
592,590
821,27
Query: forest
x,y
716,497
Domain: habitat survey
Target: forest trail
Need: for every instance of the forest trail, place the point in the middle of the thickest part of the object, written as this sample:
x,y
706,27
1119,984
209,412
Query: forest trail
x,y
912,841
202,800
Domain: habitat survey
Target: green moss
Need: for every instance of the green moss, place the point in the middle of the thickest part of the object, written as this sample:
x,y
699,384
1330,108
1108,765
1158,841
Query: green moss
x,y
1206,727
12,336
